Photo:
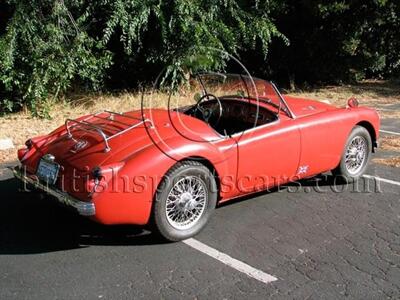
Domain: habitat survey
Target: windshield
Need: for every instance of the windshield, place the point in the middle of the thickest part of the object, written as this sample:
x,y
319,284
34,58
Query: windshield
x,y
243,87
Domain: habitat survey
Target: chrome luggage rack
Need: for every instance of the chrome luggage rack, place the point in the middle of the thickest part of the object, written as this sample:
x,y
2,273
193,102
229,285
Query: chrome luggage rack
x,y
89,127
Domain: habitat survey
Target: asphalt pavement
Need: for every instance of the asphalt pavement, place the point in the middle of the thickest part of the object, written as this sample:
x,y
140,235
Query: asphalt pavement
x,y
320,241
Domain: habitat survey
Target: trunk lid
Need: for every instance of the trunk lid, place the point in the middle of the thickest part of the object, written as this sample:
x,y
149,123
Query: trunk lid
x,y
97,139
126,135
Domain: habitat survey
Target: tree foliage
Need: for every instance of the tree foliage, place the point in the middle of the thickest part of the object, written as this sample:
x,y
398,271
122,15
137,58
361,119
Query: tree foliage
x,y
50,47
44,50
338,41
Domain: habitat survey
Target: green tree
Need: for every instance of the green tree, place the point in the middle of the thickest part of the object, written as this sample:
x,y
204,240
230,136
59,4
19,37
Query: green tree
x,y
44,50
337,41
50,45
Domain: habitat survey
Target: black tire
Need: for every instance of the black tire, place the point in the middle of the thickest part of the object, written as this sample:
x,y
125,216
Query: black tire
x,y
343,170
165,226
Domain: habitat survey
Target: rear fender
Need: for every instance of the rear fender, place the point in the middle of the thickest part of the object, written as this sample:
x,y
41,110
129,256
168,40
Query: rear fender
x,y
127,197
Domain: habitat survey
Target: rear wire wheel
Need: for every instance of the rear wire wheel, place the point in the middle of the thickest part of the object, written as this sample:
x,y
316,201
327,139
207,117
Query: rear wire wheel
x,y
184,201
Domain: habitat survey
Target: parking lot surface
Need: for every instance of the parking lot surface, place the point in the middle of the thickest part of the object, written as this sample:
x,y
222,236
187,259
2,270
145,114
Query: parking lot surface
x,y
316,240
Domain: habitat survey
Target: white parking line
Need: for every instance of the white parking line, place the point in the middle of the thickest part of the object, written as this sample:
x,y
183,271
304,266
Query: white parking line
x,y
382,179
243,267
390,132
230,261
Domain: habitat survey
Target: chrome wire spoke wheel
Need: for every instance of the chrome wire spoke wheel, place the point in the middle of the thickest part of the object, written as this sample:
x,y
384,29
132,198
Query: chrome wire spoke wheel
x,y
356,154
186,202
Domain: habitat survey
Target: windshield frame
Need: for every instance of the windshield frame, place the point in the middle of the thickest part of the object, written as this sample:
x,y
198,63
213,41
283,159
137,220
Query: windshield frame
x,y
283,105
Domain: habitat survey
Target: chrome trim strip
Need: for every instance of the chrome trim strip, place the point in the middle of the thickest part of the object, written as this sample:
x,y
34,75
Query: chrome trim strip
x,y
83,208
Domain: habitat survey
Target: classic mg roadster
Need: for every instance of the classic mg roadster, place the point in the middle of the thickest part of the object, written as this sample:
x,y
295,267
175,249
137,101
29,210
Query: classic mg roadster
x,y
171,167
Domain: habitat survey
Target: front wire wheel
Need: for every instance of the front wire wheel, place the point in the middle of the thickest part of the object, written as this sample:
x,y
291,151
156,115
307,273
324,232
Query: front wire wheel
x,y
356,156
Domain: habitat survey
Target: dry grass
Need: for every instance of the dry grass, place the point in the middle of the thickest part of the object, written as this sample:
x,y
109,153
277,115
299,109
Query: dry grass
x,y
370,92
21,126
389,114
390,143
8,155
390,162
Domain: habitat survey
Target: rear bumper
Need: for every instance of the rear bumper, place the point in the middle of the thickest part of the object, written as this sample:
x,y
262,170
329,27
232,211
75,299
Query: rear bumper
x,y
83,208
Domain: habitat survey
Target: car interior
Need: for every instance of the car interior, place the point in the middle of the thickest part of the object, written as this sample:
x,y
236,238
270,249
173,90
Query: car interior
x,y
228,116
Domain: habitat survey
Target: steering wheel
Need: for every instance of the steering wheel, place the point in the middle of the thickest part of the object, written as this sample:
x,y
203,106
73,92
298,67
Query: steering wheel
x,y
209,115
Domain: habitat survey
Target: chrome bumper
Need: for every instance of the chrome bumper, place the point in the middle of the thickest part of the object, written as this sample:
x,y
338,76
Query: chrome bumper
x,y
83,208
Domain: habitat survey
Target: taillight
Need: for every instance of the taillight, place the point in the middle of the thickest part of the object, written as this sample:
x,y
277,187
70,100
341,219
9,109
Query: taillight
x,y
31,144
21,153
106,172
97,173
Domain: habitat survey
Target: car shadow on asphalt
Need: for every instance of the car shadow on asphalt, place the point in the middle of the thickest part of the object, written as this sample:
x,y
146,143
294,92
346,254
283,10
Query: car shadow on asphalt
x,y
316,183
31,224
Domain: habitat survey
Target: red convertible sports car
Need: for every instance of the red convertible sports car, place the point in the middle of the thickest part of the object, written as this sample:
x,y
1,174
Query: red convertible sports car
x,y
171,167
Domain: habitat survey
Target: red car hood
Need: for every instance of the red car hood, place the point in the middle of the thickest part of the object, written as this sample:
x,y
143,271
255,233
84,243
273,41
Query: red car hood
x,y
302,107
87,148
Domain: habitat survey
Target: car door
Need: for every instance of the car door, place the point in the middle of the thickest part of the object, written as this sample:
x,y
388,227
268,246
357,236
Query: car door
x,y
268,155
